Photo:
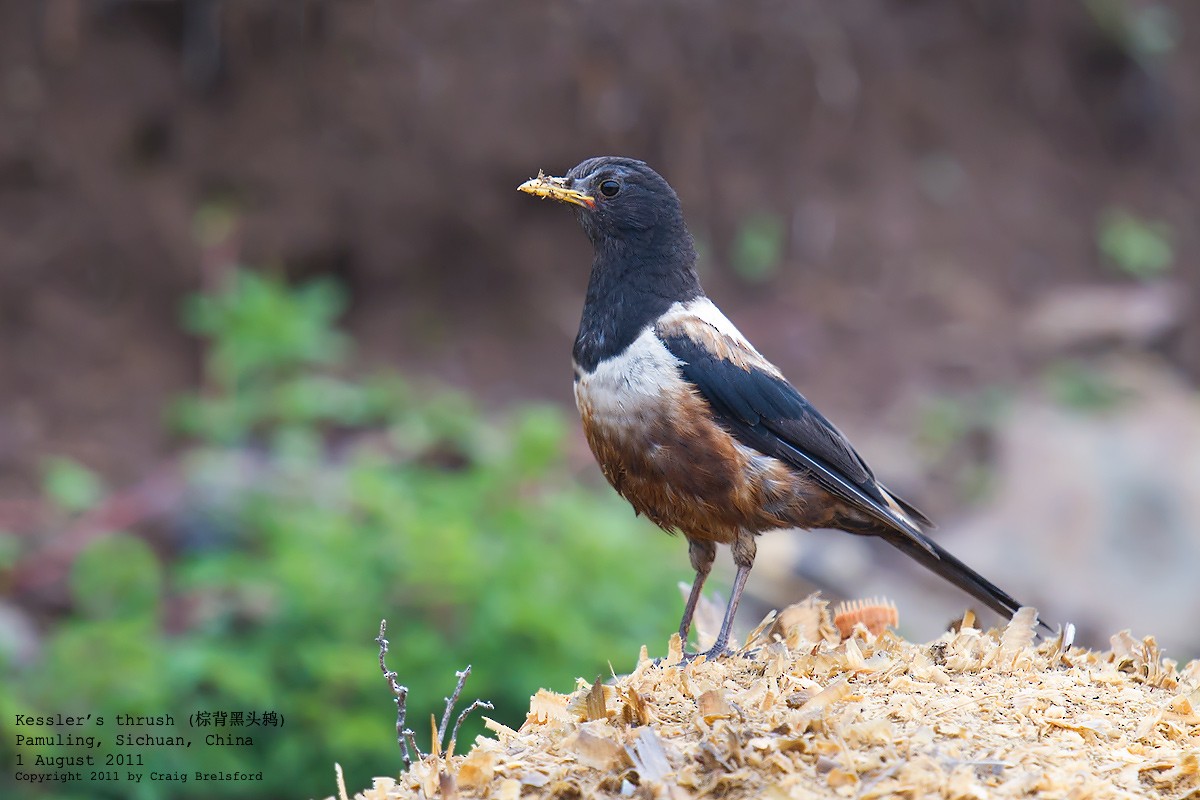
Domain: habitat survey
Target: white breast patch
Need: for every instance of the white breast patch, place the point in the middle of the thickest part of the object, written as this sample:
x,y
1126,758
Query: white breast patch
x,y
625,387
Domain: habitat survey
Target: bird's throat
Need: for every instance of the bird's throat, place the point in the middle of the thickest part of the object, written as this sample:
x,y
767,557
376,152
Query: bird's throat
x,y
628,289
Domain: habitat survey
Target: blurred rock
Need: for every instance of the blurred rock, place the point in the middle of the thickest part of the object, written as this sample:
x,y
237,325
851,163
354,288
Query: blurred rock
x,y
19,639
1076,317
1092,519
1094,514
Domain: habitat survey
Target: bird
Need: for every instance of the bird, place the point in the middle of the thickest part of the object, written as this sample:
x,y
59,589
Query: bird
x,y
696,429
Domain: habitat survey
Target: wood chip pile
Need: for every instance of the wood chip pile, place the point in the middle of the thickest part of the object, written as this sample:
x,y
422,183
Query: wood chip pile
x,y
804,712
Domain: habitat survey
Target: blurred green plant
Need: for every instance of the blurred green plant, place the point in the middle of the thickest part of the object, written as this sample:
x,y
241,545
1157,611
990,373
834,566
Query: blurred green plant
x,y
1078,386
10,550
945,420
758,247
317,506
259,328
117,577
1135,246
217,219
265,339
1145,30
950,432
69,485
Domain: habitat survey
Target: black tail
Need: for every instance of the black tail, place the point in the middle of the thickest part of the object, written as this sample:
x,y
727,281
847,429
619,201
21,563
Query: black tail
x,y
937,559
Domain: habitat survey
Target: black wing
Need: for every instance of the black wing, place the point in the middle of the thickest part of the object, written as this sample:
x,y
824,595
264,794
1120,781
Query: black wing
x,y
764,411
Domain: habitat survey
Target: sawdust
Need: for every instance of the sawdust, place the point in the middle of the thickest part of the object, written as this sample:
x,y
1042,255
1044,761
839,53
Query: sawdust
x,y
803,713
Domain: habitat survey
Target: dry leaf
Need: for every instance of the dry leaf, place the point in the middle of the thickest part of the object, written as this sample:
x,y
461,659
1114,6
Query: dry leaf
x,y
595,751
713,706
477,769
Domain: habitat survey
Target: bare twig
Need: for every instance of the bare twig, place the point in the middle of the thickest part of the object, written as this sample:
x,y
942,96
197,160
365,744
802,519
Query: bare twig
x,y
452,701
461,717
404,736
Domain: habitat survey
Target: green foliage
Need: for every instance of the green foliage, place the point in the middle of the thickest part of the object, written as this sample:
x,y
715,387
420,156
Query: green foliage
x,y
946,420
319,505
1134,246
266,338
758,247
69,485
260,328
947,428
1145,30
117,577
1078,386
216,221
10,550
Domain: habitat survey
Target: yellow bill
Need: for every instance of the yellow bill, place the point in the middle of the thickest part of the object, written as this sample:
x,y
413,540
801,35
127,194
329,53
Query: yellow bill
x,y
545,186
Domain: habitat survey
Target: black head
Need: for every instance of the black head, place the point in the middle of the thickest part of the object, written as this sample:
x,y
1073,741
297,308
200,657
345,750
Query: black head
x,y
629,200
617,199
644,256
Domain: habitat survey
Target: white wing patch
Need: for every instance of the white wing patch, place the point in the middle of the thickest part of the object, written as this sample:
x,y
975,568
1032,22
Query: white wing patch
x,y
706,311
709,329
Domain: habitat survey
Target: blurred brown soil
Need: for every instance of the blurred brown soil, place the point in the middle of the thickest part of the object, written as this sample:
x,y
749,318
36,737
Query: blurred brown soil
x,y
937,166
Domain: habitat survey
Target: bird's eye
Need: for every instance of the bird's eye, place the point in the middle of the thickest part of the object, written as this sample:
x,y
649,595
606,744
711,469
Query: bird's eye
x,y
610,188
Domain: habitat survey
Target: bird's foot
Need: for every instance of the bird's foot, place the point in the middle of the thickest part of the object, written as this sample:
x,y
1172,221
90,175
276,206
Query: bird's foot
x,y
675,660
711,654
727,652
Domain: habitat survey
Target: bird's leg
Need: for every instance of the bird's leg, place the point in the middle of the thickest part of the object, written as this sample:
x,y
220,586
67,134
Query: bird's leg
x,y
744,550
702,554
